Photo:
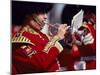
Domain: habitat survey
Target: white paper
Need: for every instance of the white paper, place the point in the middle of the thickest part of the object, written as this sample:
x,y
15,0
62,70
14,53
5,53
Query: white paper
x,y
77,21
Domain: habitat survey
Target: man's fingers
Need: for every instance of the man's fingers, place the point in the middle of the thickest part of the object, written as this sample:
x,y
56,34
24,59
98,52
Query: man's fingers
x,y
68,27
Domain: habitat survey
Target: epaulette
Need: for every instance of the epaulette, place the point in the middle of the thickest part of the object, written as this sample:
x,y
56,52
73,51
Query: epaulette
x,y
21,39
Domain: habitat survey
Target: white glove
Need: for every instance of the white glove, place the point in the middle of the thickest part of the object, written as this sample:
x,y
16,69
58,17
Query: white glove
x,y
87,39
80,65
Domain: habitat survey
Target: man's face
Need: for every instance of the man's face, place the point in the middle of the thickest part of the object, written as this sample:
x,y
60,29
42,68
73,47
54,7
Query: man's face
x,y
40,20
37,20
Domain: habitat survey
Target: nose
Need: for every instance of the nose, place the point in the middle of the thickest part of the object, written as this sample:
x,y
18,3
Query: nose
x,y
45,16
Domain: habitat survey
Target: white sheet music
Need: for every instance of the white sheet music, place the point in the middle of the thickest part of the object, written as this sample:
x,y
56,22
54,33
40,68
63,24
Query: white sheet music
x,y
77,21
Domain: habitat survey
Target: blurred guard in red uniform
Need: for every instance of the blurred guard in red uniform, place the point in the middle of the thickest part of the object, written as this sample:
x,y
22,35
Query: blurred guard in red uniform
x,y
82,54
88,49
33,51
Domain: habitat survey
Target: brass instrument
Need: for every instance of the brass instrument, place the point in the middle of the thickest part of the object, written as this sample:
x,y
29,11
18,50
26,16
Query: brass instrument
x,y
70,37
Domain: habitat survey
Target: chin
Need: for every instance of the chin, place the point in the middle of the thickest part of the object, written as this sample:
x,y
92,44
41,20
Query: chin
x,y
41,29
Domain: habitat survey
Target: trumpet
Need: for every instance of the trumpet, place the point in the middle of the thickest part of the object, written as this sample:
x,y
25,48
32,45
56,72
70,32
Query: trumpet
x,y
53,29
70,37
56,25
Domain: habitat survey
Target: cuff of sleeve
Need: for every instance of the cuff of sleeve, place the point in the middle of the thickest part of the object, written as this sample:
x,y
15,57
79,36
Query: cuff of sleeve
x,y
59,46
51,43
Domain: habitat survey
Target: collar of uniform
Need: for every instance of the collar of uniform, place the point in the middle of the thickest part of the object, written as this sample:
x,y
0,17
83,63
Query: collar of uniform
x,y
27,28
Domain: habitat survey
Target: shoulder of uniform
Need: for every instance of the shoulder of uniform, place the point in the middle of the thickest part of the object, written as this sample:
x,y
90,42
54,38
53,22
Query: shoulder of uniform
x,y
19,38
29,29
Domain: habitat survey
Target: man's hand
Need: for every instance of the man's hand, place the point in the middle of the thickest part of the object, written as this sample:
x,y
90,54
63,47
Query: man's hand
x,y
62,30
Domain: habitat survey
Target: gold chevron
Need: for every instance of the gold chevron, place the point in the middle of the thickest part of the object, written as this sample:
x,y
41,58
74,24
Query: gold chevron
x,y
21,39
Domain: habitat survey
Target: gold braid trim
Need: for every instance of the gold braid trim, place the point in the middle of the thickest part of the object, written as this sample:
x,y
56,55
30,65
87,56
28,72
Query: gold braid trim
x,y
21,39
53,43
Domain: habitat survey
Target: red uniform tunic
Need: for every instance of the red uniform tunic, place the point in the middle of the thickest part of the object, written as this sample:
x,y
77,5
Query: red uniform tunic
x,y
68,57
28,55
